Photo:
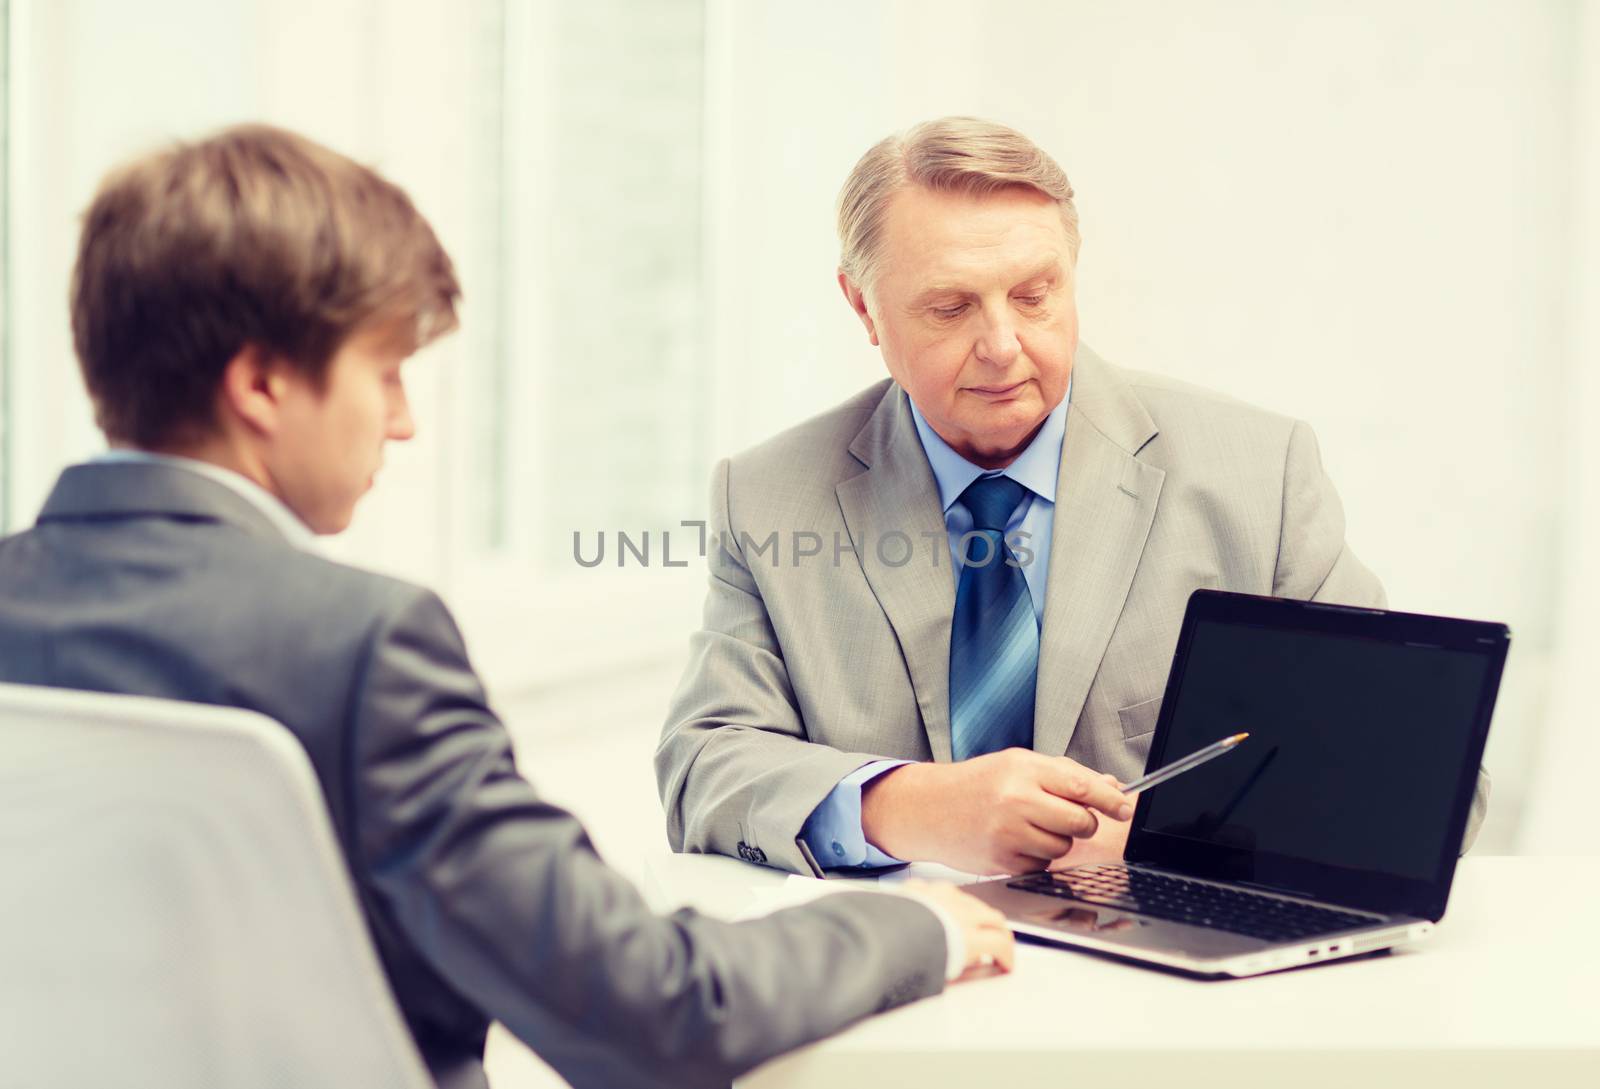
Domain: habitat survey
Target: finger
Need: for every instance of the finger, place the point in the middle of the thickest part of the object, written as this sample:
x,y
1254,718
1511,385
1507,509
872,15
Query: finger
x,y
1070,780
1113,780
1037,842
998,946
978,971
983,946
1059,816
1020,863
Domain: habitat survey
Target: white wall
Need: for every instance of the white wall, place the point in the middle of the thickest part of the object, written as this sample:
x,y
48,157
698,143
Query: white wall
x,y
1567,749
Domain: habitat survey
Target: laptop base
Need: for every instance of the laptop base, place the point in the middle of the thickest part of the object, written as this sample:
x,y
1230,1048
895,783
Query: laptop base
x,y
1191,950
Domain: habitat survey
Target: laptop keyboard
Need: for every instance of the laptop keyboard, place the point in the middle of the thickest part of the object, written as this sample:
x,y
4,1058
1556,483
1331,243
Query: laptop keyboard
x,y
1178,900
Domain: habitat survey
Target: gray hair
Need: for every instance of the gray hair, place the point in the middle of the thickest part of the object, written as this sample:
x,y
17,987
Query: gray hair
x,y
952,154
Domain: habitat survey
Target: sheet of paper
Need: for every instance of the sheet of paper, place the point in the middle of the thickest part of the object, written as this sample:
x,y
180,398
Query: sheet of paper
x,y
765,899
930,871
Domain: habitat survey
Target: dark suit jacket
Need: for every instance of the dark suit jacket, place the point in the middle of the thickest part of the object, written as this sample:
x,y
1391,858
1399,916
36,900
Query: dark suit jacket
x,y
484,901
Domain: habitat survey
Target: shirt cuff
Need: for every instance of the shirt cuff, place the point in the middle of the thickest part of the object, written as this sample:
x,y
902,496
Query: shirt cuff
x,y
834,832
955,943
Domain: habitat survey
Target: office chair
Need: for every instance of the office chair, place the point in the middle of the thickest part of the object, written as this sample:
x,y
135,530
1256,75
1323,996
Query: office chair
x,y
174,908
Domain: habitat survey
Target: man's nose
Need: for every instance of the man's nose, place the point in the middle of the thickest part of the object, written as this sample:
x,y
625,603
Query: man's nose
x,y
997,342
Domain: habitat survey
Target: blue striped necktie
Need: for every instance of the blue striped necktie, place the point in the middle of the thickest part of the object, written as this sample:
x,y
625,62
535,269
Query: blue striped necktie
x,y
994,636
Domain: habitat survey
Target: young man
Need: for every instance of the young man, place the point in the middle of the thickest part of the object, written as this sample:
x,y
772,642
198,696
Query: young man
x,y
241,308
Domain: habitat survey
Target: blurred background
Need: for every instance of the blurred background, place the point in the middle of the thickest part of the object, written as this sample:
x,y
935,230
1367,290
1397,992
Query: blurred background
x,y
1379,216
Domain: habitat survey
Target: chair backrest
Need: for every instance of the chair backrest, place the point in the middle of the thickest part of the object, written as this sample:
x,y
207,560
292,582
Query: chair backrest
x,y
174,910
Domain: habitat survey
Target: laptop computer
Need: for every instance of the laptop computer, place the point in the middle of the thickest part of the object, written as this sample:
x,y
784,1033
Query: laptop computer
x,y
1331,832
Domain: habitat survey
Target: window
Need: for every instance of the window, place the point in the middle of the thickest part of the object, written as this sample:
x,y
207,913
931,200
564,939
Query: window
x,y
590,390
601,299
557,149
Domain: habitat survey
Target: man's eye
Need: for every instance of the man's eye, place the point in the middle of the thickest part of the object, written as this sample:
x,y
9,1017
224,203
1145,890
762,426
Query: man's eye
x,y
1030,300
948,312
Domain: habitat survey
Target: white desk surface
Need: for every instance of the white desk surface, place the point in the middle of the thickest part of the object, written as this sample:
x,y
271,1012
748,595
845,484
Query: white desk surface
x,y
1506,992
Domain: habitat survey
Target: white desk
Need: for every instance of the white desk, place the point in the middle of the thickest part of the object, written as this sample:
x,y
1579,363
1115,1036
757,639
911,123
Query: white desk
x,y
1506,992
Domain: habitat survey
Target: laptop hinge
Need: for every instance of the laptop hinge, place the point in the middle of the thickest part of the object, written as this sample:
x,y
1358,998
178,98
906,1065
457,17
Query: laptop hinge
x,y
1280,889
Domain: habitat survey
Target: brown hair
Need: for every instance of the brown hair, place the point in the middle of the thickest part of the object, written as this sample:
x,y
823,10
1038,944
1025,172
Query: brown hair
x,y
951,154
255,236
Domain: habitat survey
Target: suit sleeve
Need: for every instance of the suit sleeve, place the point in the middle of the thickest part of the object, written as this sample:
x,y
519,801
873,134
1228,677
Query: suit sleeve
x,y
736,771
1315,563
504,896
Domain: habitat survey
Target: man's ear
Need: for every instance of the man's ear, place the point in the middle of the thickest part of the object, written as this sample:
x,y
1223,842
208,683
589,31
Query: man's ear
x,y
858,302
252,391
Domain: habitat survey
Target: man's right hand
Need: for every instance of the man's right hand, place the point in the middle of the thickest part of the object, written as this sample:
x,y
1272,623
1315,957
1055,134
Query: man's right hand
x,y
1005,812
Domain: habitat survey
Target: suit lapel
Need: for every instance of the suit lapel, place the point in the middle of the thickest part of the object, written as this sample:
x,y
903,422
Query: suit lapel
x,y
1105,503
889,510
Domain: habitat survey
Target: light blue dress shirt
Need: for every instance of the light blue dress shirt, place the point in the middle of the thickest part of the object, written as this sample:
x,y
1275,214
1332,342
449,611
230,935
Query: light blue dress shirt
x,y
833,831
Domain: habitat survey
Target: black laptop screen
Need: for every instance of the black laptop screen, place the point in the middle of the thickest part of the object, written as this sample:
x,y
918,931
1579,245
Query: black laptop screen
x,y
1355,751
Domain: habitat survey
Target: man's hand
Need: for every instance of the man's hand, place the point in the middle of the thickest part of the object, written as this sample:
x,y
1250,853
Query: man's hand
x,y
988,938
1005,812
1106,845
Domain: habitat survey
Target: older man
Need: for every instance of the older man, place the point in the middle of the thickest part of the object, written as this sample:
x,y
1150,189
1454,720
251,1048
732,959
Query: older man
x,y
864,703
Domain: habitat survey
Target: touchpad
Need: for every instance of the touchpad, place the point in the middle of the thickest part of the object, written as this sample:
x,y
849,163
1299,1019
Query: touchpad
x,y
1093,921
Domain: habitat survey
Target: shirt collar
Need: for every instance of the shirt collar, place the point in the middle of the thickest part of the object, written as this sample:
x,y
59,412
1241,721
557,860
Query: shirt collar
x,y
1037,468
273,508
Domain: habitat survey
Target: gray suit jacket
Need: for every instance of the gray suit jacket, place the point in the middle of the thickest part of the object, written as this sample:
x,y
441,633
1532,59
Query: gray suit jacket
x,y
809,666
484,901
